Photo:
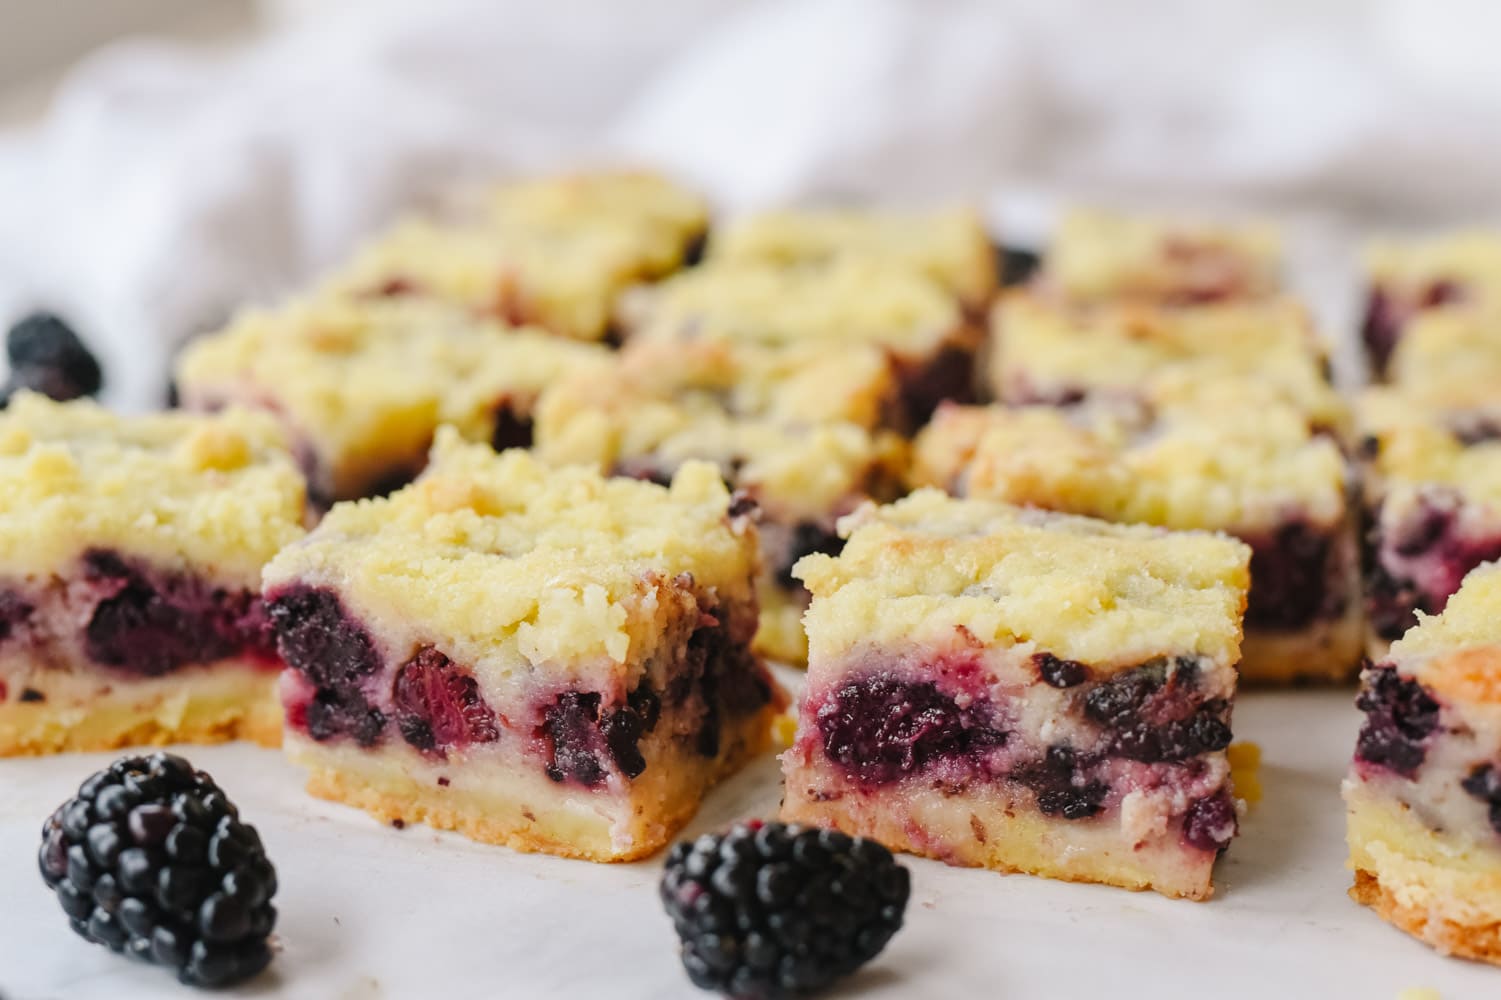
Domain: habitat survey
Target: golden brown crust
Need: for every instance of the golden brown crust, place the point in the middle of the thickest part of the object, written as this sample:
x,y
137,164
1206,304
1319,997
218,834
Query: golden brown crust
x,y
674,804
1481,942
261,724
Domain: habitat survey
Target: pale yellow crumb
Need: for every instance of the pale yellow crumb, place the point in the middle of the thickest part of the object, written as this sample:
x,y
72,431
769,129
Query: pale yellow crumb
x,y
1245,771
783,730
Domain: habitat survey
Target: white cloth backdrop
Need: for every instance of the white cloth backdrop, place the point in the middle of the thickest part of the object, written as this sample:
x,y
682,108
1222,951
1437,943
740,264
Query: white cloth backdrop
x,y
167,186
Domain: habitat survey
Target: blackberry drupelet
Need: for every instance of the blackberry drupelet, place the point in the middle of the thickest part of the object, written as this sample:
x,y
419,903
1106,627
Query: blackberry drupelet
x,y
151,859
769,911
47,356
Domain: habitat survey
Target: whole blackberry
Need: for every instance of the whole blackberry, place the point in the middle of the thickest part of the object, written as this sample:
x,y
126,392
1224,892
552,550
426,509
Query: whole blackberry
x,y
770,911
151,859
47,356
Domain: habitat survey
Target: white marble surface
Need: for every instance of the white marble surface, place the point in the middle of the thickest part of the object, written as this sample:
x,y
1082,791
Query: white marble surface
x,y
370,912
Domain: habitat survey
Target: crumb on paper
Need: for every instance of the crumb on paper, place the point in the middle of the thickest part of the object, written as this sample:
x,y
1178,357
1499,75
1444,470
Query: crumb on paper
x,y
1245,771
1420,993
784,730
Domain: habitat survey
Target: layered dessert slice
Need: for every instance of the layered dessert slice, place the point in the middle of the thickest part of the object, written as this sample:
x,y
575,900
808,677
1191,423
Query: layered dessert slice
x,y
541,658
1123,354
950,246
845,302
1240,464
1445,347
130,561
1411,278
1424,792
556,253
362,384
794,429
1099,256
1432,497
1024,691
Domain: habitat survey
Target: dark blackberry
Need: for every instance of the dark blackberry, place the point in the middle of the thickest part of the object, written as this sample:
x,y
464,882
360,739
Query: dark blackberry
x,y
1059,673
808,538
769,911
1400,716
47,356
151,859
1484,783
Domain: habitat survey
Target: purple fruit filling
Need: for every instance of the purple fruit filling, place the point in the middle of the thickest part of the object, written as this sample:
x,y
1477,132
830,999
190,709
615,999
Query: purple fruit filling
x,y
949,375
1386,315
319,639
808,537
14,612
881,728
1417,565
585,743
437,705
150,624
1290,577
1484,783
512,429
1210,823
1401,715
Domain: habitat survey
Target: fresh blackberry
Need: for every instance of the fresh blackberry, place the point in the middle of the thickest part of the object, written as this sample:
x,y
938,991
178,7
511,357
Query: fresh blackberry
x,y
770,911
151,859
47,356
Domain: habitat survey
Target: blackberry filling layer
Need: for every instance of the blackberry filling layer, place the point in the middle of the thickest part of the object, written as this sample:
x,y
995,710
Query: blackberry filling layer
x,y
1484,783
150,624
1401,715
1416,564
948,375
807,537
1386,314
1290,579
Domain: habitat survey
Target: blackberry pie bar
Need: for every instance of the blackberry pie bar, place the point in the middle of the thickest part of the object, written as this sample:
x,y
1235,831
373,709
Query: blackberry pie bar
x,y
1424,792
1432,496
1243,465
794,429
1024,691
130,562
846,302
552,253
362,384
1412,279
1127,355
536,657
949,246
1099,257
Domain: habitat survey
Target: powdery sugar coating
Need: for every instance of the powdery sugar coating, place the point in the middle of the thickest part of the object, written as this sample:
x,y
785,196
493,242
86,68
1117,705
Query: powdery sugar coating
x,y
1112,596
183,492
520,565
950,246
1099,256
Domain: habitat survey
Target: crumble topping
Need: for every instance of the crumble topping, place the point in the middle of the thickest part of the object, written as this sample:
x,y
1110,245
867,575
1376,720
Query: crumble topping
x,y
1457,654
181,490
1100,255
950,246
1472,258
1444,348
1434,436
848,301
928,567
521,563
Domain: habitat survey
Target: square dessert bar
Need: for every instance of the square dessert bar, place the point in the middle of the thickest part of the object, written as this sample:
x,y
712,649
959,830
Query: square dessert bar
x,y
1099,256
1432,497
555,253
1243,465
130,562
1424,792
949,246
541,658
1053,354
1440,348
362,384
1024,691
1410,279
846,302
794,429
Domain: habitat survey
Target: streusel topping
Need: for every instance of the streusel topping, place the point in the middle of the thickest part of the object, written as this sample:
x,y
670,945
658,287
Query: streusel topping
x,y
950,246
1108,595
218,494
1471,258
503,556
1458,653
